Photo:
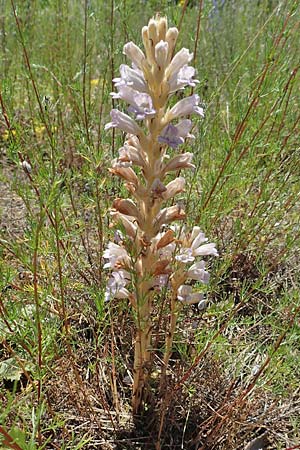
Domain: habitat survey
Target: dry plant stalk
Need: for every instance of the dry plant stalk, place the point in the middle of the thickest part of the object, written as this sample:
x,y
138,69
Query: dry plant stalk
x,y
149,253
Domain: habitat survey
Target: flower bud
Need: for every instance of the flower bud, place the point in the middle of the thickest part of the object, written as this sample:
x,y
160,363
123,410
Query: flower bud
x,y
171,38
182,161
129,226
162,27
127,207
161,54
169,214
173,188
134,53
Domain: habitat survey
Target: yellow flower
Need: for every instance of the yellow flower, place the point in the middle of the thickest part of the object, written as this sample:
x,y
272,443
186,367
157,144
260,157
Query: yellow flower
x,y
39,130
95,82
7,133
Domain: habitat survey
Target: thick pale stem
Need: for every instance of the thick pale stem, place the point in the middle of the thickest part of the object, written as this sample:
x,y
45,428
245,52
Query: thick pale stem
x,y
142,353
169,339
142,356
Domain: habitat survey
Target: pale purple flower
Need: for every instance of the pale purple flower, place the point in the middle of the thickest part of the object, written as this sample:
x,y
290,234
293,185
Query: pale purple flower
x,y
115,254
131,77
196,247
197,272
182,161
184,127
118,237
167,252
143,107
123,122
161,282
185,107
169,136
182,78
181,58
157,188
173,135
134,53
115,287
140,103
185,256
186,295
130,155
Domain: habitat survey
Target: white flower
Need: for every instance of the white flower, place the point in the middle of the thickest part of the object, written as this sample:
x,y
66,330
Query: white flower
x,y
206,249
185,256
196,247
115,287
26,166
123,122
115,255
131,77
197,272
140,102
181,58
186,296
182,78
185,107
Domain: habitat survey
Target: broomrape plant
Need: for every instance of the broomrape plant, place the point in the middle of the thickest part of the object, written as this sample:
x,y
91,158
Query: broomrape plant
x,y
149,253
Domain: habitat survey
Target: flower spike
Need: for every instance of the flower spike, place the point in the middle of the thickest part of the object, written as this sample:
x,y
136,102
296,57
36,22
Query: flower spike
x,y
151,251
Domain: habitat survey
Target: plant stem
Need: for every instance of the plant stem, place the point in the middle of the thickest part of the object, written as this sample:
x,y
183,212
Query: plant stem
x,y
169,339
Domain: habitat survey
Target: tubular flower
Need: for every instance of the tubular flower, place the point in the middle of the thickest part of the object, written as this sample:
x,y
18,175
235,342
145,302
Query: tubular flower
x,y
185,107
115,287
174,135
131,77
186,295
116,255
124,122
140,103
195,246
